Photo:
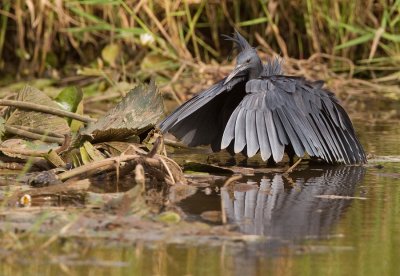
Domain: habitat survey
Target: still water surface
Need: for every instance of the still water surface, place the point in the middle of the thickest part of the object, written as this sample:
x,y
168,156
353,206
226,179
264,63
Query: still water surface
x,y
319,221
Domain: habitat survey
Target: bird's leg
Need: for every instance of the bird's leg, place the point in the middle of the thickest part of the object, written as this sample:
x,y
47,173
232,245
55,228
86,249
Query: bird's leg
x,y
291,158
271,162
244,162
290,153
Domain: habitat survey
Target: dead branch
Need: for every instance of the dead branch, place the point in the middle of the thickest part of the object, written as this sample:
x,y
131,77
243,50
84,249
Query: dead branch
x,y
31,135
46,109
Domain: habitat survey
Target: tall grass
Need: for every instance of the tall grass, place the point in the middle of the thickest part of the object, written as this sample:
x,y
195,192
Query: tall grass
x,y
39,35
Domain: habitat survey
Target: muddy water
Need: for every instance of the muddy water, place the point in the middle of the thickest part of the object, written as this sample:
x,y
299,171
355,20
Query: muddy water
x,y
315,221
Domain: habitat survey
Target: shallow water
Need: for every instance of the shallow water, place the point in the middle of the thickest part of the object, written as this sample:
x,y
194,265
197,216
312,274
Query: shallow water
x,y
315,221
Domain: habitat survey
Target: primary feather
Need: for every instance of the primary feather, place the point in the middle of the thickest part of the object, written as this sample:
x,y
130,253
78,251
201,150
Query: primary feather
x,y
258,109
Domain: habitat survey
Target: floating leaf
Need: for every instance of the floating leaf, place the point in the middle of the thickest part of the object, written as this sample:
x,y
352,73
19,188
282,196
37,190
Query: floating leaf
x,y
136,113
169,217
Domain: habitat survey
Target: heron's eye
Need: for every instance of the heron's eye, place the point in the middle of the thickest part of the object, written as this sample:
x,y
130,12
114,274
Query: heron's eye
x,y
248,60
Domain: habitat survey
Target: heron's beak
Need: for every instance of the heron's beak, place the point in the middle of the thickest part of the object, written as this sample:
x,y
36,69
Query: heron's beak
x,y
239,68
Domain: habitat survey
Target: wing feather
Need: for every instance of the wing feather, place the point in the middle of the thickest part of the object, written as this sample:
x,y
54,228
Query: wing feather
x,y
251,133
279,110
294,138
276,147
266,115
202,119
280,129
240,131
229,132
262,134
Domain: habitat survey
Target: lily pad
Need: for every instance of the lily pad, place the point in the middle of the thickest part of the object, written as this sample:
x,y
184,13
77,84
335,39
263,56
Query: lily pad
x,y
136,113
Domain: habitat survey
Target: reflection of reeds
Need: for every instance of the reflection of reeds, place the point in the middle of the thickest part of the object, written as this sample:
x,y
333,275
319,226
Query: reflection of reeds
x,y
37,35
275,210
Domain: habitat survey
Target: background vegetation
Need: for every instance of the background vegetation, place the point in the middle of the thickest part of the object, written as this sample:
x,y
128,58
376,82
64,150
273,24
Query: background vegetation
x,y
45,38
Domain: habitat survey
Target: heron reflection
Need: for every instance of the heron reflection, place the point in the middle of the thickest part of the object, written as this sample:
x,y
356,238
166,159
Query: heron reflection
x,y
289,207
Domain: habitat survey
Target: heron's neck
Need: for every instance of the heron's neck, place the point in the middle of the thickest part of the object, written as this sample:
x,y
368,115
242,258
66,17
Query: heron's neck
x,y
256,71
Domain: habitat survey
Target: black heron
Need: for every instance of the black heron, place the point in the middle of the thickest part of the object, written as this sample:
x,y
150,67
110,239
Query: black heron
x,y
258,109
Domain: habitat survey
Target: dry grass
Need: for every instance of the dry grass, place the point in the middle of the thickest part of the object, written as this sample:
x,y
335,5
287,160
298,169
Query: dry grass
x,y
57,38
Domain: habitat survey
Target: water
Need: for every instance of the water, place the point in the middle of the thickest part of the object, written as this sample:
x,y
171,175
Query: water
x,y
319,221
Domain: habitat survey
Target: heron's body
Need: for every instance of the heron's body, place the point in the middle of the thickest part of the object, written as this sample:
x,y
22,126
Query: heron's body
x,y
258,109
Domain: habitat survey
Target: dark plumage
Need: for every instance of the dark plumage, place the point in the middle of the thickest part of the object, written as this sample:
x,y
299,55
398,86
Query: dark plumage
x,y
258,109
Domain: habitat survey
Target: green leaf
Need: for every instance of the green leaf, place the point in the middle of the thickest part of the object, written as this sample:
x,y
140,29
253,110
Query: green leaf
x,y
169,217
69,99
76,125
253,22
356,41
93,153
110,53
391,37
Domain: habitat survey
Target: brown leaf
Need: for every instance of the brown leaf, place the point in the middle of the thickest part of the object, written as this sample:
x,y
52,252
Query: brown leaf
x,y
34,119
137,112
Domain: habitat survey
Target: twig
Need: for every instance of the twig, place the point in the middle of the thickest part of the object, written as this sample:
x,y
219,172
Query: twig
x,y
41,131
46,109
140,177
107,164
25,152
167,169
294,166
174,144
31,135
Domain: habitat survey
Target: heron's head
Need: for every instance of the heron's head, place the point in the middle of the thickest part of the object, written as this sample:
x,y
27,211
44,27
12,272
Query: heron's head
x,y
247,60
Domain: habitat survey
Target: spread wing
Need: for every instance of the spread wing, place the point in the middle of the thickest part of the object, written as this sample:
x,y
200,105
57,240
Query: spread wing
x,y
202,119
279,110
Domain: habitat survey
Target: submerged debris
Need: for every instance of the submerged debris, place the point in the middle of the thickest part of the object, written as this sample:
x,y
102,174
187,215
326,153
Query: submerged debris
x,y
68,172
